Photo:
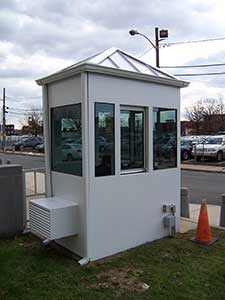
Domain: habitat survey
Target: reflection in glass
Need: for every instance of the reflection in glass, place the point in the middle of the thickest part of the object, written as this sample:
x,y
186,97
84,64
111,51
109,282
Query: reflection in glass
x,y
67,139
164,138
104,139
132,139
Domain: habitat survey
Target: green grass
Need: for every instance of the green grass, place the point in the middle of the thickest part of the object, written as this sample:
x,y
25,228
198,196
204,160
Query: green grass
x,y
173,268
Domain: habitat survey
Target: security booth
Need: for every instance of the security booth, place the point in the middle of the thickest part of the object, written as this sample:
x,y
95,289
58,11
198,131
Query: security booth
x,y
112,155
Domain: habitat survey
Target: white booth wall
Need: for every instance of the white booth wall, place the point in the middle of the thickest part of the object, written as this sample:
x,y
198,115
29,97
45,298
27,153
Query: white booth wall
x,y
120,211
70,187
126,210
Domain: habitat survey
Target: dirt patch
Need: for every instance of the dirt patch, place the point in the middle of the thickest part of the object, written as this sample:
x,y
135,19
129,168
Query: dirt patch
x,y
121,280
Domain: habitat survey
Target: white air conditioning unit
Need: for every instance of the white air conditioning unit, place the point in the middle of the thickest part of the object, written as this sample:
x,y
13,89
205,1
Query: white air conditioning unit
x,y
53,218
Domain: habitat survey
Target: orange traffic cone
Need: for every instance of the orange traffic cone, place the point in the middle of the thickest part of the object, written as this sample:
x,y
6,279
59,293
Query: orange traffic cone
x,y
203,231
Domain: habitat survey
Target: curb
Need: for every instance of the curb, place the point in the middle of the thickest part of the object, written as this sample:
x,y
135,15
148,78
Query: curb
x,y
195,222
23,153
221,171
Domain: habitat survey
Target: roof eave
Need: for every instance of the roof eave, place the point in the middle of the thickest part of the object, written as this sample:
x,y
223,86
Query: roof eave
x,y
93,68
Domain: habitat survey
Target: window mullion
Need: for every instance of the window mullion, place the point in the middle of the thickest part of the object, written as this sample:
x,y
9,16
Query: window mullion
x,y
133,148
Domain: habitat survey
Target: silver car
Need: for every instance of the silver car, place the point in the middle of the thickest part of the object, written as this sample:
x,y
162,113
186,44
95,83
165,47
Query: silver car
x,y
213,147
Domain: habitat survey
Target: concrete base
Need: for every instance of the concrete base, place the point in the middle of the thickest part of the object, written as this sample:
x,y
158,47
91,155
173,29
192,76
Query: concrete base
x,y
187,225
213,213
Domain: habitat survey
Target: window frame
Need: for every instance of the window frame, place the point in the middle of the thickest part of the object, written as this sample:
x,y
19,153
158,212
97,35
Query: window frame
x,y
143,109
176,160
51,138
114,139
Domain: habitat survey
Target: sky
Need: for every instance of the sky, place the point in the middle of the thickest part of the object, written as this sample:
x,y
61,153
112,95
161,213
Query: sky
x,y
40,37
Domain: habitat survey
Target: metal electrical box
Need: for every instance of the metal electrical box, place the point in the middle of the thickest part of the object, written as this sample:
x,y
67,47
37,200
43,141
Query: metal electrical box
x,y
169,221
53,218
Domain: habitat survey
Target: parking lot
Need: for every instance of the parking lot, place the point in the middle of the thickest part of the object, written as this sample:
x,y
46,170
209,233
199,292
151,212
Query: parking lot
x,y
23,143
208,150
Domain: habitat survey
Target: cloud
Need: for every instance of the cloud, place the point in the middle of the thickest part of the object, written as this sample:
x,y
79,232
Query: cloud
x,y
8,4
40,37
64,27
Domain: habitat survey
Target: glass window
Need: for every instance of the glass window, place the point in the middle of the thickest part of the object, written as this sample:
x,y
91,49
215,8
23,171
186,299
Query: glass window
x,y
104,139
214,141
164,138
67,139
132,147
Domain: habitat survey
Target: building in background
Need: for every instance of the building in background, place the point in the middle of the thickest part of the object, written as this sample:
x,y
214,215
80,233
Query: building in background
x,y
213,123
209,125
9,129
186,128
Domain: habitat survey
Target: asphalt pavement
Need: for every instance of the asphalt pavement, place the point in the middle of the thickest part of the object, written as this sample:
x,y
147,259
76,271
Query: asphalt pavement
x,y
28,162
204,185
201,184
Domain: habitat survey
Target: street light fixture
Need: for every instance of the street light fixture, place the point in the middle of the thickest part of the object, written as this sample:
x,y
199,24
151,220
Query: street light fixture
x,y
159,36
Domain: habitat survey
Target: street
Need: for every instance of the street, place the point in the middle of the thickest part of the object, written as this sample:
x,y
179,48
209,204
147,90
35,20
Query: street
x,y
200,184
28,162
204,185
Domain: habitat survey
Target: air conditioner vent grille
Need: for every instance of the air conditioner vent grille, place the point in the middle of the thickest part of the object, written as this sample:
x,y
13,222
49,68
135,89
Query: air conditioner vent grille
x,y
40,221
53,218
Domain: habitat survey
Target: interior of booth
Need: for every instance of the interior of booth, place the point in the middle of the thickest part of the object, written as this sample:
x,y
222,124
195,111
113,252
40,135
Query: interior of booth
x,y
66,139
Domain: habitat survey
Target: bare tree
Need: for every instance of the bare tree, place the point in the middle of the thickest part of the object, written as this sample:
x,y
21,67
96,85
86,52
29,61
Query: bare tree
x,y
195,114
221,104
213,115
33,122
207,116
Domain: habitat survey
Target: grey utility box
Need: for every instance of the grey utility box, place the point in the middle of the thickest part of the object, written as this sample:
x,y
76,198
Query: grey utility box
x,y
12,201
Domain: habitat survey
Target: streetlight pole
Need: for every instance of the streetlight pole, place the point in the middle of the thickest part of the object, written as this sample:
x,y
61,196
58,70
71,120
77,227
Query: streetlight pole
x,y
3,120
159,36
157,46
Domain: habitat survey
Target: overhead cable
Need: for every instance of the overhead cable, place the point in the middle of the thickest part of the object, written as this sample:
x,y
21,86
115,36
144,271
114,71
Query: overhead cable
x,y
201,74
192,42
194,66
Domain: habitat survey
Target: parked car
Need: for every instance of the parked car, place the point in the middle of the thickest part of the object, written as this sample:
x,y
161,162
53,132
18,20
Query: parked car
x,y
220,133
40,148
195,139
213,147
186,149
28,142
71,152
